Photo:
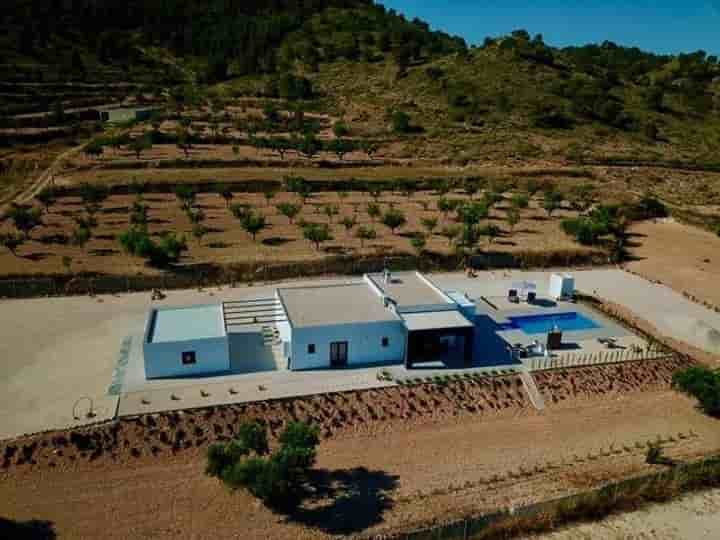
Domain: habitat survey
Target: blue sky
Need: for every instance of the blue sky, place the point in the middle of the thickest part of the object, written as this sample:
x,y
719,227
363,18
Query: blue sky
x,y
663,26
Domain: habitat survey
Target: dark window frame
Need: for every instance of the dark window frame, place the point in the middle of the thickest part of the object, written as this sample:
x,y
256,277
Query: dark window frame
x,y
311,349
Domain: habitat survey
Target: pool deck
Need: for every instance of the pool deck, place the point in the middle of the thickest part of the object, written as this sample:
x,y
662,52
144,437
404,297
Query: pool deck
x,y
499,310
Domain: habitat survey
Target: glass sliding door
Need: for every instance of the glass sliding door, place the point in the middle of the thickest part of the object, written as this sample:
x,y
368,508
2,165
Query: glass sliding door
x,y
339,354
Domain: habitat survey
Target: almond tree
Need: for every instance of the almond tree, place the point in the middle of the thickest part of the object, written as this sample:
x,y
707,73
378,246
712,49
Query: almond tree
x,y
12,241
365,233
289,210
430,224
418,242
25,219
373,210
348,222
226,193
394,219
253,223
450,232
317,234
512,217
330,211
47,197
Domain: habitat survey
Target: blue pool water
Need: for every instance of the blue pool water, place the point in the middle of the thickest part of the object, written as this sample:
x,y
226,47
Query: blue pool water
x,y
542,324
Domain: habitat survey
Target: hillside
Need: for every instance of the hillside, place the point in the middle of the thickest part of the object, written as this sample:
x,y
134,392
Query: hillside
x,y
512,97
355,100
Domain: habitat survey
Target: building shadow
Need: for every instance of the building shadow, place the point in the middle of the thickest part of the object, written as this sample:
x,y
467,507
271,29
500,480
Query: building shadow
x,y
346,501
33,529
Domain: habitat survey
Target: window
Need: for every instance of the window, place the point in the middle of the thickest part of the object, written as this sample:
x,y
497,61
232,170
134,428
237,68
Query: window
x,y
188,358
385,342
311,348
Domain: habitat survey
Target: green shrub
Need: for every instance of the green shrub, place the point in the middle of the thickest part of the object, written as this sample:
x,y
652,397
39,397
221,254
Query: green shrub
x,y
649,208
401,122
701,383
276,479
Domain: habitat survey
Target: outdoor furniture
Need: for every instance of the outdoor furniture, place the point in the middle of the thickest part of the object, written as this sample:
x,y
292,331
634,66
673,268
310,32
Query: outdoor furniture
x,y
513,296
537,349
531,297
609,342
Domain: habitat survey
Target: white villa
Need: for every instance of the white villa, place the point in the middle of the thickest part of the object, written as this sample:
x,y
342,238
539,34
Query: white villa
x,y
381,319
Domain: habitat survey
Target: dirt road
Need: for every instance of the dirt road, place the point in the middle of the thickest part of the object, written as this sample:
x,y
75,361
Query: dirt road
x,y
693,517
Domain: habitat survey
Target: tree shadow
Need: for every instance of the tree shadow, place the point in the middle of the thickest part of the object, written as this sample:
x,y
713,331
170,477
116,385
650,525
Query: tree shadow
x,y
55,238
275,241
346,501
219,245
33,529
103,252
115,210
36,256
629,257
336,250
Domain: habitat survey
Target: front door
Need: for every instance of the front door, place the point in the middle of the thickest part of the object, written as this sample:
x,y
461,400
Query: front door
x,y
339,354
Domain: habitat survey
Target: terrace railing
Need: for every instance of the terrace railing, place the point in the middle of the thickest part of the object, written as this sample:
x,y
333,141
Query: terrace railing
x,y
609,356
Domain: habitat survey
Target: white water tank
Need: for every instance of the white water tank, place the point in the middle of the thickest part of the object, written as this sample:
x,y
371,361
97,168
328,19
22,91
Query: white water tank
x,y
561,286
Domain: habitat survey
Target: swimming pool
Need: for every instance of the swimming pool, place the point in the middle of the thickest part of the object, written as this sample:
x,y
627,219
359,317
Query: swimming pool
x,y
542,324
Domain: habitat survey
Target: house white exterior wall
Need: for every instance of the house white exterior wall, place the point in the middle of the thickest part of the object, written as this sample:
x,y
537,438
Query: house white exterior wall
x,y
165,358
212,355
364,344
561,286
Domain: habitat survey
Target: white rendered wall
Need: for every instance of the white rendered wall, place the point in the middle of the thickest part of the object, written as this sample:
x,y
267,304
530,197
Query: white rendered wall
x,y
285,333
364,344
561,286
165,359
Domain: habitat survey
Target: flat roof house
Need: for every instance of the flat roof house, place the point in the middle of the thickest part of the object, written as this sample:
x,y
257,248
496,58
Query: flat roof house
x,y
380,319
116,115
385,318
185,341
337,326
